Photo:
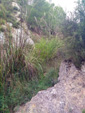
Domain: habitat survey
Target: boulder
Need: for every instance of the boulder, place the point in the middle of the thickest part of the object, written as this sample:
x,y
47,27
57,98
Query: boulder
x,y
67,96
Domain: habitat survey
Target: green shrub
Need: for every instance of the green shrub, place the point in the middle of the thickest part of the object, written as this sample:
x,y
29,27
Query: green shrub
x,y
49,79
23,79
11,19
16,24
23,74
2,21
3,105
2,11
46,49
26,90
1,14
75,50
2,29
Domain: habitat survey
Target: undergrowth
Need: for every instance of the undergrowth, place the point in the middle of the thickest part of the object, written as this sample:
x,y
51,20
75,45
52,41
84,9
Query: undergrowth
x,y
22,72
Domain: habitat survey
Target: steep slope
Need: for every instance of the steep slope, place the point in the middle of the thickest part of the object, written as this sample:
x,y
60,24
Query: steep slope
x,y
67,96
15,29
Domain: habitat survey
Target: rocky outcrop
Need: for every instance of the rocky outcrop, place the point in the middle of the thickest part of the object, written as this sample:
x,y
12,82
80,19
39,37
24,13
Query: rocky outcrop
x,y
67,96
16,15
14,4
20,35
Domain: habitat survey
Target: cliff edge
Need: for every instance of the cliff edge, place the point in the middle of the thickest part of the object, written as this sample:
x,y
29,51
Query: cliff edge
x,y
67,96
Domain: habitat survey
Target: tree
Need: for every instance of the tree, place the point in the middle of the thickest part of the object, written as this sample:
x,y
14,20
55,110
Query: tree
x,y
45,17
80,18
75,29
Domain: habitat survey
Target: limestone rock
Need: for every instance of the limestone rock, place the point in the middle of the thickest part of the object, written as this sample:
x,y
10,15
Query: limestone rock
x,y
67,96
14,4
16,15
21,36
2,38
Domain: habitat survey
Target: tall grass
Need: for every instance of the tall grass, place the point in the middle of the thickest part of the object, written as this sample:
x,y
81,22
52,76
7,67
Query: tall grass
x,y
22,73
46,49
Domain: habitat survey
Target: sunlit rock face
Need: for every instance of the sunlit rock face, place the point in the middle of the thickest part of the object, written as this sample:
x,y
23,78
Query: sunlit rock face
x,y
67,96
17,14
2,38
14,4
21,37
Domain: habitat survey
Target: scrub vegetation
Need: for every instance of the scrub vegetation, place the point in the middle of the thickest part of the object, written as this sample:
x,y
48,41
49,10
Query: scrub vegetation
x,y
27,69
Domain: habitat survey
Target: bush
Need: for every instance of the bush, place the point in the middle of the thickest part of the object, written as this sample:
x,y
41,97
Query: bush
x,y
2,21
2,29
46,49
3,105
23,79
16,24
75,51
50,78
23,74
27,90
2,12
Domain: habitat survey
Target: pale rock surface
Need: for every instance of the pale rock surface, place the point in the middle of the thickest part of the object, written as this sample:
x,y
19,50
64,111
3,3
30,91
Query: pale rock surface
x,y
2,38
22,35
10,24
67,96
14,4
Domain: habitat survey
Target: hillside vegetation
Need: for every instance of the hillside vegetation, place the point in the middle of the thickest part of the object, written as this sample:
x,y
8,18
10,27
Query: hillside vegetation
x,y
27,69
